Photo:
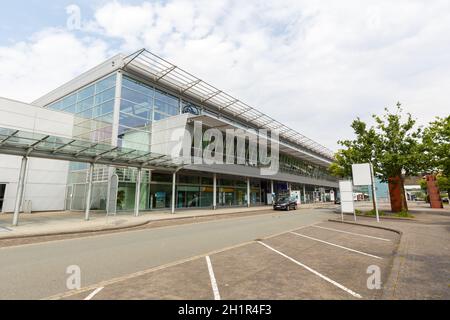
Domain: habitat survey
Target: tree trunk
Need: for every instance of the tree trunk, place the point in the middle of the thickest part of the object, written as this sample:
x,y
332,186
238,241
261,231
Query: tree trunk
x,y
397,194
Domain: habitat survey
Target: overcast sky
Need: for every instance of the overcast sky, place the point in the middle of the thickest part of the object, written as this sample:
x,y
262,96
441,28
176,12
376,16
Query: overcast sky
x,y
314,65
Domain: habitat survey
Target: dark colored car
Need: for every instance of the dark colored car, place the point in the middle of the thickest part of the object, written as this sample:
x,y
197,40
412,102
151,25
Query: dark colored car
x,y
285,203
337,201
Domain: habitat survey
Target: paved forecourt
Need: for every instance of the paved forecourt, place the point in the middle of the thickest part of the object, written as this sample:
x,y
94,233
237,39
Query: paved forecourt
x,y
327,260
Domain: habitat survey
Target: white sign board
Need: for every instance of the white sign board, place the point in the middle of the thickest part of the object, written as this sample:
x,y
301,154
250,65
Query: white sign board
x,y
297,195
346,190
362,175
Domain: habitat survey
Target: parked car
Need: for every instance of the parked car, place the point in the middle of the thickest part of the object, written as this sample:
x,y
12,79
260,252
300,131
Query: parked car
x,y
285,203
337,201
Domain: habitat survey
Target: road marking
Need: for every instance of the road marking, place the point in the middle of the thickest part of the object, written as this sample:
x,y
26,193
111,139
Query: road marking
x,y
4,229
213,279
340,286
356,234
338,246
94,293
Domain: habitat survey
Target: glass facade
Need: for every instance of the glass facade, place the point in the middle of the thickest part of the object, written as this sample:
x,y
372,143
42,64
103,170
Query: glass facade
x,y
93,107
139,107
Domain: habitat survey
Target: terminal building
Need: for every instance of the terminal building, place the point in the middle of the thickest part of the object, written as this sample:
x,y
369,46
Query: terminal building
x,y
104,141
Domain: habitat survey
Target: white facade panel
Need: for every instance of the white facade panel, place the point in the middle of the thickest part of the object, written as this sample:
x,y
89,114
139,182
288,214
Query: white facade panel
x,y
45,181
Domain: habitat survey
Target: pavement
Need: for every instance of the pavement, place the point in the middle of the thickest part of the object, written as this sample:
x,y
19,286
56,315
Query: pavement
x,y
304,254
38,270
53,223
319,261
421,268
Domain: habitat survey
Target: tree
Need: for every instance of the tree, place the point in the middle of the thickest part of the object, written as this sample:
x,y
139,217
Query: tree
x,y
391,146
436,147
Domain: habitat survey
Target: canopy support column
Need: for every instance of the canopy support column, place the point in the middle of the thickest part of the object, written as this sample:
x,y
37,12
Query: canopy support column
x,y
89,192
215,191
20,189
248,193
137,200
174,181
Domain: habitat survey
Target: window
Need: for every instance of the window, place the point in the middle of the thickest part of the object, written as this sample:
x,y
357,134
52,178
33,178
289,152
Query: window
x,y
86,93
105,84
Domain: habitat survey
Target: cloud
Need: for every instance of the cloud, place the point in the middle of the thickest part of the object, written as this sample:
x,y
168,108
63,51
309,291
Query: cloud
x,y
47,60
314,65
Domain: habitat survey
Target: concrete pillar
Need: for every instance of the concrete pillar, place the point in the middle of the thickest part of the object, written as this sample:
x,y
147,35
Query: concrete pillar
x,y
272,191
304,193
20,189
215,191
137,198
174,181
89,192
248,193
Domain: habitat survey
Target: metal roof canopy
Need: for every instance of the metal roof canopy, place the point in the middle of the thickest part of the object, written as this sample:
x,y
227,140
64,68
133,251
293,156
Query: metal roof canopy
x,y
223,124
163,71
29,144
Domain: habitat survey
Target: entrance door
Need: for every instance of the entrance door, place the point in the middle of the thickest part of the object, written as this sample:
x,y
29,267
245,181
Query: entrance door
x,y
2,195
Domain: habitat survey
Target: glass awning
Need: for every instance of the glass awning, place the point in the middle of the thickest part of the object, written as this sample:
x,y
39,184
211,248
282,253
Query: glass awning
x,y
30,144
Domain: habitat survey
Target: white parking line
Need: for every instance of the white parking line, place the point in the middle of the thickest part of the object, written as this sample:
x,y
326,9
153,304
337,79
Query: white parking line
x,y
338,246
213,279
94,293
340,286
352,233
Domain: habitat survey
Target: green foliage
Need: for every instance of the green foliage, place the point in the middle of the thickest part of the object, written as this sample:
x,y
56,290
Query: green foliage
x,y
436,145
372,213
423,184
392,146
337,171
403,214
443,182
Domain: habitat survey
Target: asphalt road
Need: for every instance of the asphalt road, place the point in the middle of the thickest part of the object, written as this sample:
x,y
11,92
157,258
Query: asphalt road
x,y
38,271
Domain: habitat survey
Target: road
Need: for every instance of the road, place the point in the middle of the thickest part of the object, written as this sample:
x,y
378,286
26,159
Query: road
x,y
37,271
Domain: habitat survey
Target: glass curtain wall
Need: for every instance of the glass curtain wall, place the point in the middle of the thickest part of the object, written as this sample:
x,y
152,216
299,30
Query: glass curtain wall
x,y
93,107
142,104
194,191
160,191
126,194
231,192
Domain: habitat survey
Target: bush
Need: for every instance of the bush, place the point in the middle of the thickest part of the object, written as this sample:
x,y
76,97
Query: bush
x,y
373,213
403,214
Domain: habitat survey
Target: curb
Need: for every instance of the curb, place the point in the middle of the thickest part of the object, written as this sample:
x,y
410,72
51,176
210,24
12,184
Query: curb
x,y
131,226
367,225
381,217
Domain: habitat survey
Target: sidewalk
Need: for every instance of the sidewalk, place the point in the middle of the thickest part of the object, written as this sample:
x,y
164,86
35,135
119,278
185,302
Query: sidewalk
x,y
56,223
420,268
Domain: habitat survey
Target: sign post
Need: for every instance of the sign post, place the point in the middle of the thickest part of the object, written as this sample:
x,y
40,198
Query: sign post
x,y
363,175
346,189
374,193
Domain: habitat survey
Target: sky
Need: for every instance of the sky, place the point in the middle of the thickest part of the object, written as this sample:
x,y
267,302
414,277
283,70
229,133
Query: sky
x,y
314,65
